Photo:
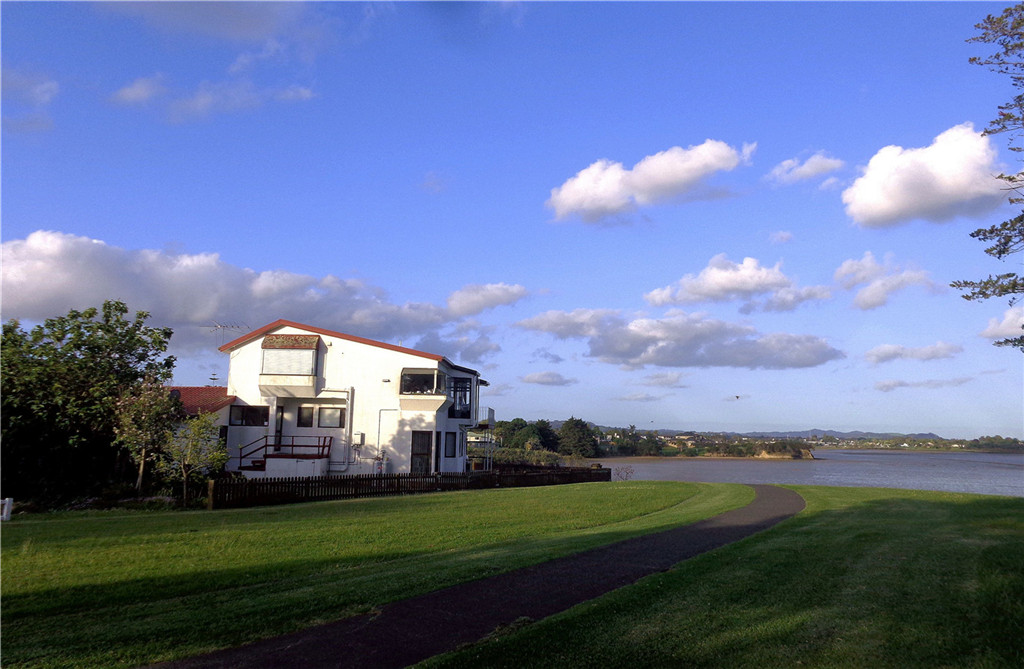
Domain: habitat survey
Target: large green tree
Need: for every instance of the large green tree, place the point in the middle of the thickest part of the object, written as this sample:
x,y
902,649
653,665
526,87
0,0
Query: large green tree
x,y
1006,32
576,438
59,387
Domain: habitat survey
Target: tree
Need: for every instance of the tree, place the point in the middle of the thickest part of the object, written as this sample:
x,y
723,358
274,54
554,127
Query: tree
x,y
196,449
548,436
145,419
59,387
1005,31
576,438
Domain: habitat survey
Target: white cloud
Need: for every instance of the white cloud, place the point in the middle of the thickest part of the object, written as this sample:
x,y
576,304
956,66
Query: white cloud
x,y
293,93
954,176
724,280
882,280
606,188
140,91
548,379
681,340
49,273
472,299
792,170
640,397
889,386
889,352
219,97
272,48
27,97
664,380
1010,325
780,237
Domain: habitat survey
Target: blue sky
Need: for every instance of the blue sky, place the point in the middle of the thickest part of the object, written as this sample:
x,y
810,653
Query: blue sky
x,y
723,216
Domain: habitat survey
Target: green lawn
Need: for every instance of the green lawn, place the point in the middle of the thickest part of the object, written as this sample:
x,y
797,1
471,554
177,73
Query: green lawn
x,y
862,578
103,589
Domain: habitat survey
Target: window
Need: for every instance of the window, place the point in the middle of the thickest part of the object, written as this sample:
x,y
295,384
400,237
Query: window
x,y
289,361
331,417
305,418
449,444
249,416
423,382
461,391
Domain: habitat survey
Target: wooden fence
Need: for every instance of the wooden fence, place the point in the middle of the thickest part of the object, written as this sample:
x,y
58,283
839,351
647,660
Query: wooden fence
x,y
233,493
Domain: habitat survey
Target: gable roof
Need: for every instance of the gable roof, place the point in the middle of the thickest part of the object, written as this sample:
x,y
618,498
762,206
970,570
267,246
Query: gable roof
x,y
248,337
207,399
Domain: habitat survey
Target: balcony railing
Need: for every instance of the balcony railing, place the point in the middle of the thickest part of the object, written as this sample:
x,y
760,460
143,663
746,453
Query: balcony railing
x,y
285,447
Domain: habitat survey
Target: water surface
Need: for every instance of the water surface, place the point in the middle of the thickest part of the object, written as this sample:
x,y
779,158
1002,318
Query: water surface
x,y
983,473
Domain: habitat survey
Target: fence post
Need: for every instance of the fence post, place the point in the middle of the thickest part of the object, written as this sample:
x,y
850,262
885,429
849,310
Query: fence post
x,y
5,513
209,495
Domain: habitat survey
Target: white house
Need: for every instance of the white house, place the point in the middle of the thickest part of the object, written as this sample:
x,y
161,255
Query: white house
x,y
312,402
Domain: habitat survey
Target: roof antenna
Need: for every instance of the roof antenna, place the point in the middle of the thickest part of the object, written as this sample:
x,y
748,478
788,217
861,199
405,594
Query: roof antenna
x,y
223,328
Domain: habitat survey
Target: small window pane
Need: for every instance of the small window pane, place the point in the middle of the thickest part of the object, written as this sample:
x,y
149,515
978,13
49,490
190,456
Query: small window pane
x,y
249,416
449,444
330,417
305,418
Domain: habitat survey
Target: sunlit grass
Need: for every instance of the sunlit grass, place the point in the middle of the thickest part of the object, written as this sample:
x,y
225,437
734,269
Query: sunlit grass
x,y
862,578
115,588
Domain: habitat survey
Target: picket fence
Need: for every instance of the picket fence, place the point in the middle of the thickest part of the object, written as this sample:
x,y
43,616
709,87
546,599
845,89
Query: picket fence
x,y
234,493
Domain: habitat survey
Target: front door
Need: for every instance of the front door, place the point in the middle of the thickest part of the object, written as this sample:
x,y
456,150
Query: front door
x,y
419,463
278,427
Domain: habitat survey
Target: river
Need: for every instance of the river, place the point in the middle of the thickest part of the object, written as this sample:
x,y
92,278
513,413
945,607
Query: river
x,y
983,473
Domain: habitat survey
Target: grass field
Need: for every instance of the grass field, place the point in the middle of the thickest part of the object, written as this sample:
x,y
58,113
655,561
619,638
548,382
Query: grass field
x,y
105,589
862,578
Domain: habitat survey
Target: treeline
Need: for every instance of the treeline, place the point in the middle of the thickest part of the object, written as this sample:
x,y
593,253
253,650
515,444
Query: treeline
x,y
84,412
540,443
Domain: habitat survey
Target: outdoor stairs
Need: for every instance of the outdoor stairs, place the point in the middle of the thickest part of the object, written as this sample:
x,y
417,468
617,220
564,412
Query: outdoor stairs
x,y
255,466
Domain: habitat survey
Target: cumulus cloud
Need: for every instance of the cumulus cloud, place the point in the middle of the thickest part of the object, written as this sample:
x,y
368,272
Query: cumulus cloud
x,y
49,273
473,299
954,176
889,352
548,379
889,386
792,170
607,189
140,91
681,340
882,280
1009,326
724,280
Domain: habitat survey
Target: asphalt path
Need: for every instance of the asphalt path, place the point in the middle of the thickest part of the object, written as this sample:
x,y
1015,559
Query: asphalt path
x,y
409,631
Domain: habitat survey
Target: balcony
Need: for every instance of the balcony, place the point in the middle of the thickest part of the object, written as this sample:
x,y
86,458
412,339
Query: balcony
x,y
288,385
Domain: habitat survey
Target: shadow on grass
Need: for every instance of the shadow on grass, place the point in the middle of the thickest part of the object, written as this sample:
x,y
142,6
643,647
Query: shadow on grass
x,y
139,620
864,577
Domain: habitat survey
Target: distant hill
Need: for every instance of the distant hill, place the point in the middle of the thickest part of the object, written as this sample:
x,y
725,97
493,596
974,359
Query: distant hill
x,y
791,434
804,434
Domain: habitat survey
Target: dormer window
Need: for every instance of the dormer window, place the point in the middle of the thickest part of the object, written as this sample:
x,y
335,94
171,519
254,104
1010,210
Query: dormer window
x,y
290,355
424,382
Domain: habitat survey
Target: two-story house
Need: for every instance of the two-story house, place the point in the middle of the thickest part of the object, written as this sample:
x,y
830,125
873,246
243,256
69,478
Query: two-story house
x,y
313,402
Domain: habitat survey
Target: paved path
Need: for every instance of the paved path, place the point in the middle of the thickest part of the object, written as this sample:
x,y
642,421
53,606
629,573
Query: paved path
x,y
409,631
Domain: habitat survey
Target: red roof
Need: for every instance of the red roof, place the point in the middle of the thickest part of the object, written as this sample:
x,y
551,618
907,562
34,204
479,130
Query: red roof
x,y
246,338
206,399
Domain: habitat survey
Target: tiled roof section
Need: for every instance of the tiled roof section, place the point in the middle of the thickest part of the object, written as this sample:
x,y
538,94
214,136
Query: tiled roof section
x,y
246,338
304,342
207,399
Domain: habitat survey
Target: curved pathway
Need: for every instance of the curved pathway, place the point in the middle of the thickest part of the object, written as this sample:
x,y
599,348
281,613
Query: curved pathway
x,y
412,630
